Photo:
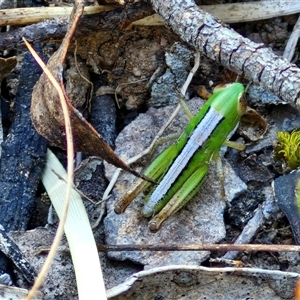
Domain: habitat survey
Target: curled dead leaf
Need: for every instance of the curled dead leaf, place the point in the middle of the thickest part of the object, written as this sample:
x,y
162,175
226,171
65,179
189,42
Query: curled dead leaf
x,y
252,125
48,118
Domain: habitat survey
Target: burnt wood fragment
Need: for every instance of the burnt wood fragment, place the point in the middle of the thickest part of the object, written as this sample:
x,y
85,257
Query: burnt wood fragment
x,y
23,156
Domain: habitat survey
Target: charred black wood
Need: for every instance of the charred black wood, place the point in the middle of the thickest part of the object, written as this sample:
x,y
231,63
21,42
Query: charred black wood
x,y
103,112
12,251
23,156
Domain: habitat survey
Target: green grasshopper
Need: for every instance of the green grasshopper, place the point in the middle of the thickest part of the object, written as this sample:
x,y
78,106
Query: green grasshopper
x,y
180,169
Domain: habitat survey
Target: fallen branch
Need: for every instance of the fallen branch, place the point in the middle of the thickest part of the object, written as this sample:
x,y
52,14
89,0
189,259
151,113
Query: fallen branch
x,y
222,44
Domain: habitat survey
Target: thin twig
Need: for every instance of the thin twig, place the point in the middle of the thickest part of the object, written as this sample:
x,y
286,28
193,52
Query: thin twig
x,y
89,101
70,152
76,189
174,114
201,247
121,85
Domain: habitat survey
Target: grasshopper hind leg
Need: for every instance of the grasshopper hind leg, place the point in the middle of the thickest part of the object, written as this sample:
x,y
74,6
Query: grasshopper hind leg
x,y
182,196
122,203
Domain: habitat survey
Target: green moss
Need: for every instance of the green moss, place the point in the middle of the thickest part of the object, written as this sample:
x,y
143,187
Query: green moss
x,y
288,148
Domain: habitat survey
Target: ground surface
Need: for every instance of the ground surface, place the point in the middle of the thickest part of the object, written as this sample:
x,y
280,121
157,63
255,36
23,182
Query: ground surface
x,y
125,60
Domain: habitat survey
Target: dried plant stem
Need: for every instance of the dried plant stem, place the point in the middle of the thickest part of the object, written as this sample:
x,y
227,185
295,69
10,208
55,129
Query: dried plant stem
x,y
174,114
31,15
238,12
292,42
201,247
70,153
82,234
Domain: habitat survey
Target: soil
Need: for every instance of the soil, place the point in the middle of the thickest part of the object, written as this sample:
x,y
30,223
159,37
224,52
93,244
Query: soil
x,y
127,61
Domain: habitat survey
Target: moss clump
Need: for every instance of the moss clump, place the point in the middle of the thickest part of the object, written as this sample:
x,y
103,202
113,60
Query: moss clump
x,y
288,148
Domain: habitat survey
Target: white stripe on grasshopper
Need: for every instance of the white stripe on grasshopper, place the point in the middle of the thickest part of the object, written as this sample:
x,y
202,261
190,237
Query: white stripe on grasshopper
x,y
201,133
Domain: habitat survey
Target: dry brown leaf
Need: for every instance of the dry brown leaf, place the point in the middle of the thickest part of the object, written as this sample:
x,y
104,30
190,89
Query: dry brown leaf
x,y
48,118
6,65
252,126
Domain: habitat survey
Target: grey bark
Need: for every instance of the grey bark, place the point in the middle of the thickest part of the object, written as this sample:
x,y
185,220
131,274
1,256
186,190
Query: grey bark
x,y
222,44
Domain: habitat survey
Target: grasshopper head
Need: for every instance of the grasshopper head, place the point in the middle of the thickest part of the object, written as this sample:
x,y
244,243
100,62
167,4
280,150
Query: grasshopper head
x,y
229,100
